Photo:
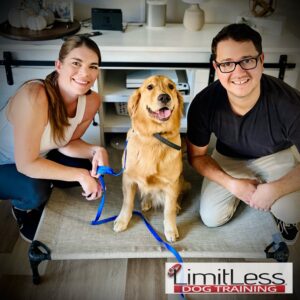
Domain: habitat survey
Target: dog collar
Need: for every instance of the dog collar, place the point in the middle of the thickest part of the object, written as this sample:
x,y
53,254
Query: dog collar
x,y
167,142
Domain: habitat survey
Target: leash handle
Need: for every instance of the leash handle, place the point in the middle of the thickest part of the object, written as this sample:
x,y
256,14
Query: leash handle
x,y
102,170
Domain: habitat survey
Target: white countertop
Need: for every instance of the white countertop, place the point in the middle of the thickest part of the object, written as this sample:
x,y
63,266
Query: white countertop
x,y
140,43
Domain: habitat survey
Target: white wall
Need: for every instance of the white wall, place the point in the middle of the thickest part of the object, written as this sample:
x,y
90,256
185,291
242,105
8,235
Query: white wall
x,y
217,11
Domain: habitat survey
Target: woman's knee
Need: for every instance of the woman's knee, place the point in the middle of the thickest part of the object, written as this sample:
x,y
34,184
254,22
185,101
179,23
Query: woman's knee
x,y
40,191
35,195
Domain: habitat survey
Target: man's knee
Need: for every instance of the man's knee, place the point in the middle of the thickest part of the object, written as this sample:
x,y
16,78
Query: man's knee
x,y
217,215
287,208
213,219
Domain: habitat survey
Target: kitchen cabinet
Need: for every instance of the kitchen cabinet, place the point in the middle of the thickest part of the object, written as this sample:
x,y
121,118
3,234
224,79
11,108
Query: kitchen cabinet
x,y
20,75
168,48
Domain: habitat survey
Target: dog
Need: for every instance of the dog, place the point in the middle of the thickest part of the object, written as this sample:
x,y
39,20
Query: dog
x,y
153,162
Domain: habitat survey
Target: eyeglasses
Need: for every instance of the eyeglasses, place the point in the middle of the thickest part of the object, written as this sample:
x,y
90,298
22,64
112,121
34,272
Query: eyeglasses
x,y
246,64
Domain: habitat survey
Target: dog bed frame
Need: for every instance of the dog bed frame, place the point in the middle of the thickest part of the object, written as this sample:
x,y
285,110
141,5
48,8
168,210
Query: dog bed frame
x,y
65,231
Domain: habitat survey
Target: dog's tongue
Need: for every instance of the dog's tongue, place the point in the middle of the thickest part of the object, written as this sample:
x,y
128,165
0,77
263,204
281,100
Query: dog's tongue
x,y
164,113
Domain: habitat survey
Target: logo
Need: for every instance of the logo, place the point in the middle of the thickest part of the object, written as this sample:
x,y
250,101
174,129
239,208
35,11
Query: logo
x,y
229,278
174,270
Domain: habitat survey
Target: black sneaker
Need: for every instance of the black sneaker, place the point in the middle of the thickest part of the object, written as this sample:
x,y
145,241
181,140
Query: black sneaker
x,y
28,222
289,232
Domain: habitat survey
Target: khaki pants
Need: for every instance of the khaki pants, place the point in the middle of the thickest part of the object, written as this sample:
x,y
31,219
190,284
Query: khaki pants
x,y
217,205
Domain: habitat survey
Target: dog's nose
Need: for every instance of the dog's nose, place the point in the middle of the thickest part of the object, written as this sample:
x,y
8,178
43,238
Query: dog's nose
x,y
164,98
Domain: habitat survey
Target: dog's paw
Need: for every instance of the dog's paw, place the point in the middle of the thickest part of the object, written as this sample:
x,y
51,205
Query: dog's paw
x,y
120,225
172,234
146,204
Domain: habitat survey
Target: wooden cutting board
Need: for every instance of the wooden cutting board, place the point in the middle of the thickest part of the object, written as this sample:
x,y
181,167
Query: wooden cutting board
x,y
58,30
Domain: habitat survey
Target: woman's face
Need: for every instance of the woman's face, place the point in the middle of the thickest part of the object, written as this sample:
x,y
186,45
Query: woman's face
x,y
78,71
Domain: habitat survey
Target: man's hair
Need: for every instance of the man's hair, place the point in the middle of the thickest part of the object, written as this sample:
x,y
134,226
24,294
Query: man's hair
x,y
237,32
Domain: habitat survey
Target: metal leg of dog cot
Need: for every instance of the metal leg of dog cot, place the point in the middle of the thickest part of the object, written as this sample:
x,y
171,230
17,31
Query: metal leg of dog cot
x,y
281,251
281,254
37,253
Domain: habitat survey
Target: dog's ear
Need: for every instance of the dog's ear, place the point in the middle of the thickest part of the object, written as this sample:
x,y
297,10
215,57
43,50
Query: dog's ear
x,y
180,101
133,102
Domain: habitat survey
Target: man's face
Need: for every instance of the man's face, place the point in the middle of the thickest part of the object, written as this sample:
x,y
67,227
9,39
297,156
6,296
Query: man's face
x,y
241,85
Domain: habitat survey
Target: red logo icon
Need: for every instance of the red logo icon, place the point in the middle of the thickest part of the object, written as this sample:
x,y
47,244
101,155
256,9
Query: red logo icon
x,y
174,269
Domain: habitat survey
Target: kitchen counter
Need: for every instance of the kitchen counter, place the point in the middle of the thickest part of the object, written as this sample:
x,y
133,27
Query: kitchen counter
x,y
172,43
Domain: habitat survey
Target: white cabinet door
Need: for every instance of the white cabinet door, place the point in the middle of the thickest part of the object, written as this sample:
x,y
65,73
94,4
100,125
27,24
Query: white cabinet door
x,y
20,75
92,134
201,81
290,76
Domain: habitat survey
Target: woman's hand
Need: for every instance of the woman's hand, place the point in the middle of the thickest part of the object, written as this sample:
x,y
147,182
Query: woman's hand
x,y
100,158
91,187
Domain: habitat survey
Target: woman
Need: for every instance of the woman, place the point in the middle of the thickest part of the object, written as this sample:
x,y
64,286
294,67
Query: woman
x,y
51,114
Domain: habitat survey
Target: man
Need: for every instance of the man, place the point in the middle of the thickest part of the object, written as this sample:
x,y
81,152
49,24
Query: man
x,y
256,119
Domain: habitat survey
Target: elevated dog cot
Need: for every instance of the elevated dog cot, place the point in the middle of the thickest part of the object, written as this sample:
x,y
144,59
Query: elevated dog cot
x,y
65,232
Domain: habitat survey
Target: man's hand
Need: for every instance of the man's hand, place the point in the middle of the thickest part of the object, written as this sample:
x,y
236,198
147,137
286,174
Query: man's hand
x,y
243,188
264,197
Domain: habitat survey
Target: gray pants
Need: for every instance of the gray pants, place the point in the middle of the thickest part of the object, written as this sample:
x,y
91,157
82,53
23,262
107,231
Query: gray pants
x,y
217,205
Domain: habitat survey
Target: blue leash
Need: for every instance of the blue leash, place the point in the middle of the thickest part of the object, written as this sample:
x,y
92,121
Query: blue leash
x,y
103,170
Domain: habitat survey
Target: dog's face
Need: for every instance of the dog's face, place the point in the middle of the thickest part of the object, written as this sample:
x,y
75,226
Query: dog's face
x,y
156,101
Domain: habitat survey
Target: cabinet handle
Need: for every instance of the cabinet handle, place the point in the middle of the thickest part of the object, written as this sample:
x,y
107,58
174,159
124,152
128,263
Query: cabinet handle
x,y
7,64
94,122
7,61
212,71
282,66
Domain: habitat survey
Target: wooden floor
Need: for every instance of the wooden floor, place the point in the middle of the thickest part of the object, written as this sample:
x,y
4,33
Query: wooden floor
x,y
95,279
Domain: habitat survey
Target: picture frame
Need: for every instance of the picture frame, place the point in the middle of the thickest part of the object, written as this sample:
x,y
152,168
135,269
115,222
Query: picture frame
x,y
63,10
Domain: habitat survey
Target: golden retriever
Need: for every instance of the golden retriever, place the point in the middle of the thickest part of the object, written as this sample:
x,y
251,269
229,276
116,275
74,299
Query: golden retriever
x,y
152,166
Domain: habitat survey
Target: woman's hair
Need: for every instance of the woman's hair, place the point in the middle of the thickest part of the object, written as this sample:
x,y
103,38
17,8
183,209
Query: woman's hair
x,y
57,112
239,33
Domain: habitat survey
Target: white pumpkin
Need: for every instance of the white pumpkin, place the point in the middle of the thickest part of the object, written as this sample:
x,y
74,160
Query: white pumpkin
x,y
48,15
36,22
17,17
